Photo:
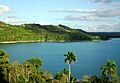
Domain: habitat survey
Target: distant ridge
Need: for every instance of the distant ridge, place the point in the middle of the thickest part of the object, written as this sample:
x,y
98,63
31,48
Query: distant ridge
x,y
106,34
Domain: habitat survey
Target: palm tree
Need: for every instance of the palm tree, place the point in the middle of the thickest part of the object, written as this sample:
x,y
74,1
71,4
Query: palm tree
x,y
70,57
109,69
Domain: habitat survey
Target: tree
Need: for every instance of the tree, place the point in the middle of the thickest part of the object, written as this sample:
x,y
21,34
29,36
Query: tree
x,y
109,69
2,79
36,62
70,57
4,64
16,73
61,78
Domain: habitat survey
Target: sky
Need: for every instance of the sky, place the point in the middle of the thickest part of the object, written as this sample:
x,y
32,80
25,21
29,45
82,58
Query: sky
x,y
88,15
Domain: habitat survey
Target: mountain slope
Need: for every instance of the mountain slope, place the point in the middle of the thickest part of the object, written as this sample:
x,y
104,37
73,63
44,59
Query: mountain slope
x,y
39,32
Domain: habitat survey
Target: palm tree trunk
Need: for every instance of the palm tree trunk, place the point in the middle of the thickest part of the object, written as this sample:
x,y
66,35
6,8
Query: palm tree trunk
x,y
69,73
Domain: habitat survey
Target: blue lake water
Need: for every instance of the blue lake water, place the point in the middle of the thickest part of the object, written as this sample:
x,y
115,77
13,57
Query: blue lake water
x,y
90,55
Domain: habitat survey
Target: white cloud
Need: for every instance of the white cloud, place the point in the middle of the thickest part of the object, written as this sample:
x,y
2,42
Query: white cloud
x,y
87,18
116,4
103,1
4,9
17,21
103,12
77,17
112,27
11,20
75,10
114,12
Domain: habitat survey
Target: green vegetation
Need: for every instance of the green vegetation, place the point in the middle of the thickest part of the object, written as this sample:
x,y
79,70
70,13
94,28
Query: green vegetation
x,y
30,72
109,70
4,66
70,57
37,32
36,62
109,74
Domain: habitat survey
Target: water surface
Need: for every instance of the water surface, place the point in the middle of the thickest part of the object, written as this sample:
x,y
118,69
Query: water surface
x,y
90,55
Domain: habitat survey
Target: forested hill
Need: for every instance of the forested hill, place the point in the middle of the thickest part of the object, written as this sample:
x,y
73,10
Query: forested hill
x,y
37,32
106,34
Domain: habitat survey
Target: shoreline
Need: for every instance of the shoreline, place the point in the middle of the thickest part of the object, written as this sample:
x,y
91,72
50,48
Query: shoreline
x,y
32,41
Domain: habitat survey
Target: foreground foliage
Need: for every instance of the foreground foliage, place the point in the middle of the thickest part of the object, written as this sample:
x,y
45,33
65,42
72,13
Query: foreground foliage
x,y
109,74
30,72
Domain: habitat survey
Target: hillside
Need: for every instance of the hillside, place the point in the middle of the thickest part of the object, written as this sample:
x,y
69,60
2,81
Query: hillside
x,y
106,34
39,32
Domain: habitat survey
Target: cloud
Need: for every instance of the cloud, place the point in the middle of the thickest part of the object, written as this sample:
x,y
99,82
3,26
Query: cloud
x,y
103,1
94,17
17,21
4,9
11,20
116,4
103,12
112,27
75,10
78,18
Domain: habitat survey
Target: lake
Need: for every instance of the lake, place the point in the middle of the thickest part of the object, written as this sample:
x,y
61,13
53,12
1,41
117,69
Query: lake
x,y
90,55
